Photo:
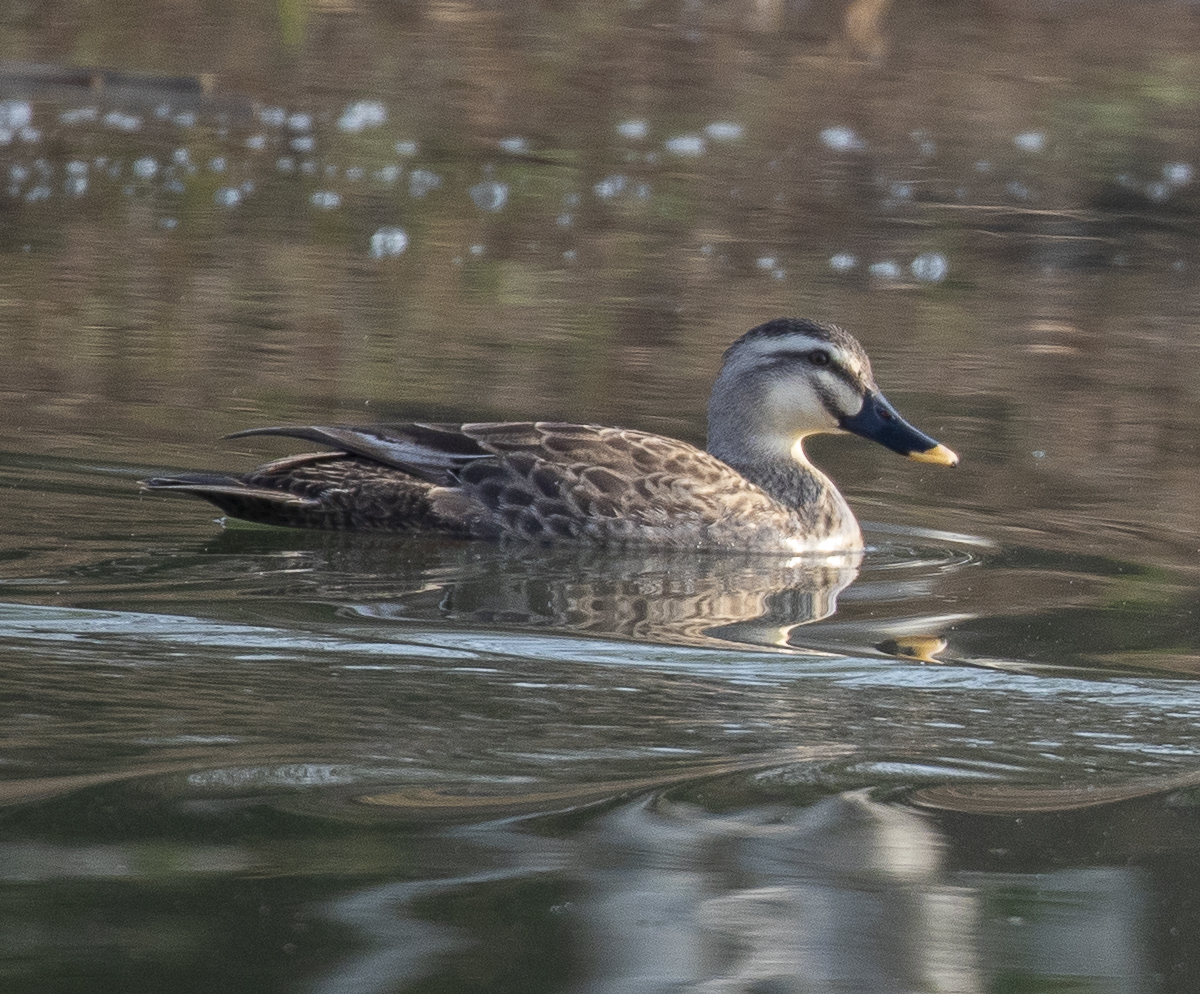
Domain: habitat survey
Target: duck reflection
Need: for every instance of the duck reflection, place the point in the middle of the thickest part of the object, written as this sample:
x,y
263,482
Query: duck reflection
x,y
679,599
650,596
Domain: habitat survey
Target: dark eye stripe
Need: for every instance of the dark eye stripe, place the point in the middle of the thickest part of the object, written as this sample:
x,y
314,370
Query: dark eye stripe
x,y
787,358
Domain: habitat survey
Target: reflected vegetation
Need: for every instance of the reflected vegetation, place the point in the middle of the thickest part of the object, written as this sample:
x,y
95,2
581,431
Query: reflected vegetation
x,y
492,214
733,879
238,760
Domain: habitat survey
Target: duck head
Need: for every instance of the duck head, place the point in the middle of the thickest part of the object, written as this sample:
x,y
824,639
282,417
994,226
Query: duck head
x,y
790,378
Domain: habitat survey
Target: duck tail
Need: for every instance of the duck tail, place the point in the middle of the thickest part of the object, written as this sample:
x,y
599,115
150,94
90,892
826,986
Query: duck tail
x,y
242,500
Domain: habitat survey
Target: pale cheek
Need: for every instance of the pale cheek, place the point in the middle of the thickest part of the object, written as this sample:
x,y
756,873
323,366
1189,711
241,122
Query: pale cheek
x,y
796,408
848,402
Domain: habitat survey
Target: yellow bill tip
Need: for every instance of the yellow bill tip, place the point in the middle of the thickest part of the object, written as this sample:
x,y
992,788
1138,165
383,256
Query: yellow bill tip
x,y
939,455
923,648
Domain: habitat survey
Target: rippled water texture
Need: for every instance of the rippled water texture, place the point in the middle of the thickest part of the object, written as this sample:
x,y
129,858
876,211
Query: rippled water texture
x,y
242,759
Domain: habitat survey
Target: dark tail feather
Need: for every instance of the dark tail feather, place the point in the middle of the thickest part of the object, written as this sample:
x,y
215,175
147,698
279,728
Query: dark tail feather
x,y
241,500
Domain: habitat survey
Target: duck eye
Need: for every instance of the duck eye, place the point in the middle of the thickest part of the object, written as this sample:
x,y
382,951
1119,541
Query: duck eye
x,y
819,357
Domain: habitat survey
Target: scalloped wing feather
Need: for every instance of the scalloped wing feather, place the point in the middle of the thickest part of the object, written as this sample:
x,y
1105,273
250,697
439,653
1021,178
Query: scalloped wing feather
x,y
541,481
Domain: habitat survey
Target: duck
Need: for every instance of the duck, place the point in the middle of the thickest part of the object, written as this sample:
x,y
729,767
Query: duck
x,y
752,488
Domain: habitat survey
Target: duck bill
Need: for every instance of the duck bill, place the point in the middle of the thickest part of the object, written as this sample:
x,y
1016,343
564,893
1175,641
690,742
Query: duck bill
x,y
880,422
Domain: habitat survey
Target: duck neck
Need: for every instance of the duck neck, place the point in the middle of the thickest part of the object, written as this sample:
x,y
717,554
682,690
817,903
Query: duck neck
x,y
742,433
784,472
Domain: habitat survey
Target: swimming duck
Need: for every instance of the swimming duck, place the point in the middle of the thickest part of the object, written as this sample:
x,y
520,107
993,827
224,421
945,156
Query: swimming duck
x,y
753,489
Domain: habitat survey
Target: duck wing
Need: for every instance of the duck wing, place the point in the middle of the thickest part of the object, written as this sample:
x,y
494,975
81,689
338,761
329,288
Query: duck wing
x,y
628,466
430,452
543,481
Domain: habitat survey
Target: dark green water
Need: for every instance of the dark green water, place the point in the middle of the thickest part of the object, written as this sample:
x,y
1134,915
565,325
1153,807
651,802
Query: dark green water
x,y
241,759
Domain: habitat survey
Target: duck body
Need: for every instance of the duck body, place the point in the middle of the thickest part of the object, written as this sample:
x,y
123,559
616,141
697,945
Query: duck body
x,y
538,481
753,490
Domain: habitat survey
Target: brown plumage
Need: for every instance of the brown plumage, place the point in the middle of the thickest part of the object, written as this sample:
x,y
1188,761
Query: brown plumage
x,y
544,481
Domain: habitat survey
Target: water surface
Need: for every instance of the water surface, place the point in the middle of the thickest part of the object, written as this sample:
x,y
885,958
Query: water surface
x,y
240,758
